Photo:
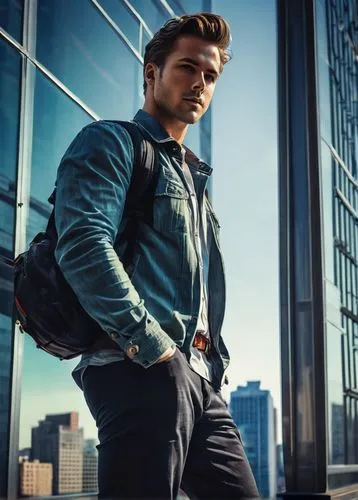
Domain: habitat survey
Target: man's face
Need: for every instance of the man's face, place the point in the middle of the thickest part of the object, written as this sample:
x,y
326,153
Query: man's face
x,y
185,85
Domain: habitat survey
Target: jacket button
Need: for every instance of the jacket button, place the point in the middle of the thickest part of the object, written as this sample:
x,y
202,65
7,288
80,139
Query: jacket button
x,y
114,335
132,350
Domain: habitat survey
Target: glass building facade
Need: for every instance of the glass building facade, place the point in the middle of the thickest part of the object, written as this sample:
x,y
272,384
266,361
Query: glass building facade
x,y
318,124
58,74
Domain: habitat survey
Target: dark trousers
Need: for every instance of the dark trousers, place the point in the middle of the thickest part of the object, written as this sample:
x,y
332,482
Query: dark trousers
x,y
161,429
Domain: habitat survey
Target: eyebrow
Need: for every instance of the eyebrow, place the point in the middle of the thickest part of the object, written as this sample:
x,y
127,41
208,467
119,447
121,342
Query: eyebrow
x,y
195,63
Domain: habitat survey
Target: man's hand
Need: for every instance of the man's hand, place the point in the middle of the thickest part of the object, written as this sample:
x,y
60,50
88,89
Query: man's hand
x,y
169,353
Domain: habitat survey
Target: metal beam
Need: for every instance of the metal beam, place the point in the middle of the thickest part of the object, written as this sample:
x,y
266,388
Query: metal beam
x,y
301,268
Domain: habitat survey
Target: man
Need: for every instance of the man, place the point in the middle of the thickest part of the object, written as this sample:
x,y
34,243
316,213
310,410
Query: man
x,y
153,386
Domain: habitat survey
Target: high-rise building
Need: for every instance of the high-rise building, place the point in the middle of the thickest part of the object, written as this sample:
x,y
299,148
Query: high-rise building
x,y
59,441
90,464
57,75
253,412
35,478
318,172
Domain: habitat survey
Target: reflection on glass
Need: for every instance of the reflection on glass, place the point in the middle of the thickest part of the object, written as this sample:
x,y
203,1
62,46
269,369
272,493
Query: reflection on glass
x,y
152,12
9,109
145,39
57,120
11,12
326,172
186,6
337,433
350,417
334,394
51,431
337,76
9,121
90,58
323,71
122,16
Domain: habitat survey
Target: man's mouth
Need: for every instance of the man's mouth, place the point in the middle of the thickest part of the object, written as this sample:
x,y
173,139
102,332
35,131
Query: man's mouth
x,y
194,99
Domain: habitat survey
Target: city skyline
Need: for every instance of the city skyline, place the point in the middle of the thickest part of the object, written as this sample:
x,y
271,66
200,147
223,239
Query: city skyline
x,y
59,460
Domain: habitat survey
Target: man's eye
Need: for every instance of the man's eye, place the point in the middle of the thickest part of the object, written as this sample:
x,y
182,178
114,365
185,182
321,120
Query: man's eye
x,y
187,67
210,77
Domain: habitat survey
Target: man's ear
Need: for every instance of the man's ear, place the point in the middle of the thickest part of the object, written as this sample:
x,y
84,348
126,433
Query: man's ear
x,y
150,73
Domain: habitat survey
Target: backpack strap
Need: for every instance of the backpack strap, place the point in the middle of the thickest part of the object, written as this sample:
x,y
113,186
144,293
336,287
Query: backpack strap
x,y
145,173
140,194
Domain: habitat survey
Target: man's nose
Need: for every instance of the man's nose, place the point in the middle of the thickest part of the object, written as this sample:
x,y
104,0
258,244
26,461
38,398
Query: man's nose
x,y
199,84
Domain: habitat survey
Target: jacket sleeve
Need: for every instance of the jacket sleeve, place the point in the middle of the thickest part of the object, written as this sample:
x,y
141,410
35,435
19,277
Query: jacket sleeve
x,y
92,182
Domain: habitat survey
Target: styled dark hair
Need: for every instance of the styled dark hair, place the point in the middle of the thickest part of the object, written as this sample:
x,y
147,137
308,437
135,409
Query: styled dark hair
x,y
209,27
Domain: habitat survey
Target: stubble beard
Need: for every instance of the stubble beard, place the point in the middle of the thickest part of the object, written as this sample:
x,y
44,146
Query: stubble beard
x,y
168,112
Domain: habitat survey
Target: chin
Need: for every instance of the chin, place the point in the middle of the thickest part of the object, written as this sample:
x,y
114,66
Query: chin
x,y
192,118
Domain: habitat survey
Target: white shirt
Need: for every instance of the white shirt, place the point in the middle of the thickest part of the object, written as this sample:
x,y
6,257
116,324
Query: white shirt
x,y
199,359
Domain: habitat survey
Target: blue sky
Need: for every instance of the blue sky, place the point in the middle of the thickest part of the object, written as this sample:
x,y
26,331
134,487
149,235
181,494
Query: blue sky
x,y
245,192
245,199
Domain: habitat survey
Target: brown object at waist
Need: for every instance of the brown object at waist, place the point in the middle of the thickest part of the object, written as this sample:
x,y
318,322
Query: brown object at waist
x,y
201,342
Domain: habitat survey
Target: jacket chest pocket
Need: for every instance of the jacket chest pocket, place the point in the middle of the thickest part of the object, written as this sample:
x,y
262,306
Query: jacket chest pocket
x,y
171,207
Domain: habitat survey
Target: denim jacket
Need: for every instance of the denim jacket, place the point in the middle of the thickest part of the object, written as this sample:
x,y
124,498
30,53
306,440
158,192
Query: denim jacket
x,y
155,304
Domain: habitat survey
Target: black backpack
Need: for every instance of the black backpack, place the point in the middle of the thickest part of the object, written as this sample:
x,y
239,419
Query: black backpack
x,y
45,305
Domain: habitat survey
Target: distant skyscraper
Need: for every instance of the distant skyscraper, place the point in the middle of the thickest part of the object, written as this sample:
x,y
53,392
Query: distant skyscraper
x,y
35,478
58,440
90,463
253,413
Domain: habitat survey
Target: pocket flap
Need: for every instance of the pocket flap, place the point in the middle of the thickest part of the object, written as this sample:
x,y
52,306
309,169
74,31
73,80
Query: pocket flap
x,y
172,188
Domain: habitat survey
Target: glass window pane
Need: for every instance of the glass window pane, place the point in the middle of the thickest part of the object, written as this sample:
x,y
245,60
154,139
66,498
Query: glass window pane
x,y
11,12
145,39
78,54
336,79
125,20
152,12
177,6
186,6
323,72
57,119
335,396
10,74
50,140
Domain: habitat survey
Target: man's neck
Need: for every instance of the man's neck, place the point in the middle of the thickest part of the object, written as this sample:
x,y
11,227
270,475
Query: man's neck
x,y
174,128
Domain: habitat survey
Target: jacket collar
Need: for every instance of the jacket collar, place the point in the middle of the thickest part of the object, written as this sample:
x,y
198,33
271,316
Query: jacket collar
x,y
158,134
152,127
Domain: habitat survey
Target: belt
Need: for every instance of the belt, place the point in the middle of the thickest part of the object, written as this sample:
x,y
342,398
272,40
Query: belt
x,y
201,342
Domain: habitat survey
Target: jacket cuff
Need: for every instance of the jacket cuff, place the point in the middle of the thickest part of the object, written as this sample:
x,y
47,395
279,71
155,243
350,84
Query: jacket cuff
x,y
146,347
